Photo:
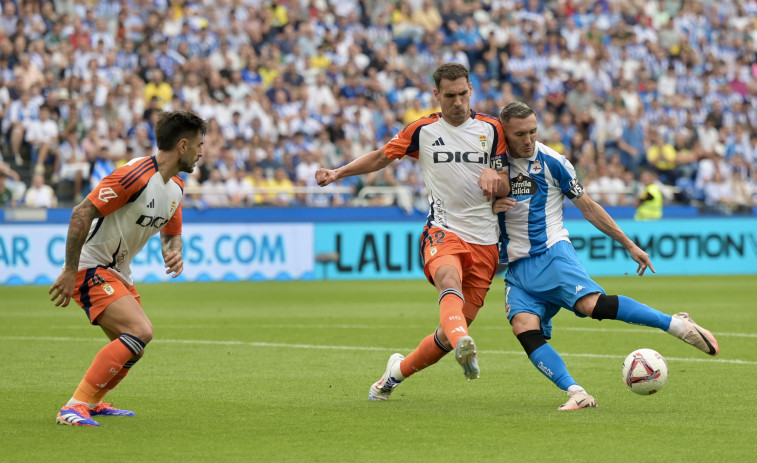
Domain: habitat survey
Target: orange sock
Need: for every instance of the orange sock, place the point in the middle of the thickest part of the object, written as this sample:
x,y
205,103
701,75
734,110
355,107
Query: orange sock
x,y
100,394
426,354
451,303
106,365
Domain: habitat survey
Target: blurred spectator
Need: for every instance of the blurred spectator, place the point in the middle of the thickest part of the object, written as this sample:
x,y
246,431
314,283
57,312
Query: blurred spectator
x,y
662,157
282,189
580,102
718,195
739,180
13,183
40,194
157,89
102,165
650,200
412,114
74,165
611,186
305,171
632,143
6,195
214,190
42,136
19,115
239,189
260,183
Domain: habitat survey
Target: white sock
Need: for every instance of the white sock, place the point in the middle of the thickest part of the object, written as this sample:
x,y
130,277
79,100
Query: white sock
x,y
396,372
575,388
79,402
676,326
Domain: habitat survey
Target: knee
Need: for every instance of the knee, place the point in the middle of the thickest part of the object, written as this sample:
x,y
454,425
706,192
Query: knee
x,y
450,280
143,331
138,356
522,322
605,308
587,304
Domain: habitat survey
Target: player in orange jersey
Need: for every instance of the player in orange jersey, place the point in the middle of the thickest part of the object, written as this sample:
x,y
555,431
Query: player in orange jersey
x,y
107,229
461,152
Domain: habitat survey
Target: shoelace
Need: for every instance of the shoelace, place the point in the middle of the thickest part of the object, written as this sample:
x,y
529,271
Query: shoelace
x,y
81,409
103,406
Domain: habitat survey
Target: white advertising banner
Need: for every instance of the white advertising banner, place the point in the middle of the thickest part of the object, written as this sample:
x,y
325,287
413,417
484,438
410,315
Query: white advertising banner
x,y
33,254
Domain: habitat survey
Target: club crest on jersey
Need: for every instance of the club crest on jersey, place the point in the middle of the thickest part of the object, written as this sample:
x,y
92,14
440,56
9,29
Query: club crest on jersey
x,y
522,185
535,167
484,144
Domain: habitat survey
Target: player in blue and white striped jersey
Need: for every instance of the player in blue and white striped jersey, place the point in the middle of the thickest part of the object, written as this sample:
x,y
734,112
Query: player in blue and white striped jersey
x,y
544,272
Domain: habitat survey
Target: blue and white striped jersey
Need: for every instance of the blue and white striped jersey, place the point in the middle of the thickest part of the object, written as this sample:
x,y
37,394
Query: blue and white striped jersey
x,y
539,184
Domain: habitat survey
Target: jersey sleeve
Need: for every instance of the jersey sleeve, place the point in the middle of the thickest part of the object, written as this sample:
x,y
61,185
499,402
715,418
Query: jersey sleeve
x,y
173,227
405,143
121,185
570,185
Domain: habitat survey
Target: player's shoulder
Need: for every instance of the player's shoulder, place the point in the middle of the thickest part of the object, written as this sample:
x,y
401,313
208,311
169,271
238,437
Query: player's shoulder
x,y
178,180
483,117
546,151
551,157
423,121
136,171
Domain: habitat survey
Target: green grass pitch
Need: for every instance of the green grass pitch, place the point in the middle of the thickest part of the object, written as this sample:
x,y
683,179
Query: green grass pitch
x,y
280,371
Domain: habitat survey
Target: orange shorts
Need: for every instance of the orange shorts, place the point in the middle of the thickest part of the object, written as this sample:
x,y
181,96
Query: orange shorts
x,y
476,263
97,288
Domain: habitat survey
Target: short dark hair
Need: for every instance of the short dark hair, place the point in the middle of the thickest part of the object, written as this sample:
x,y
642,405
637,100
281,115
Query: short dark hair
x,y
175,125
517,110
450,71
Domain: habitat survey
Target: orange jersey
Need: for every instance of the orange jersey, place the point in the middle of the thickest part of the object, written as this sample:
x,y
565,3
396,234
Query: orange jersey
x,y
136,204
452,160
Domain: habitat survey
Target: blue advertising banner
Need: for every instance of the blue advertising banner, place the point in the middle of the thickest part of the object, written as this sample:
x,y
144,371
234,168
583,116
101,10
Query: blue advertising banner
x,y
33,254
369,250
235,245
676,247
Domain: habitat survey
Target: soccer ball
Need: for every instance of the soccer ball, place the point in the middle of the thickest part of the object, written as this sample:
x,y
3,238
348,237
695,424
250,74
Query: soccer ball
x,y
645,371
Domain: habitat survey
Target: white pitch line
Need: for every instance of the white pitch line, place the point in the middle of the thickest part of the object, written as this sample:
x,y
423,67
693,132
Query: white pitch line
x,y
351,348
338,326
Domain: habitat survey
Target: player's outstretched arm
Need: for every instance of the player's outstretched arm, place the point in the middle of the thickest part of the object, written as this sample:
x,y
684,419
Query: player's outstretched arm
x,y
599,217
78,228
171,247
371,162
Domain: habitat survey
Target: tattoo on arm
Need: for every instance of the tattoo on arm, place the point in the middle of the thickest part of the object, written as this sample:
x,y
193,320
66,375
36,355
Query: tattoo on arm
x,y
78,228
170,243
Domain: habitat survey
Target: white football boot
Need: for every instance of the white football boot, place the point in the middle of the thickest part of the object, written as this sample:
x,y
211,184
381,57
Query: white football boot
x,y
382,389
465,353
697,336
578,399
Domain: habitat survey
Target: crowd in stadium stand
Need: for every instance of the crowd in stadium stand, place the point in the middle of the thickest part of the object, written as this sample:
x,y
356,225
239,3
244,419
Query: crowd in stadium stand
x,y
288,86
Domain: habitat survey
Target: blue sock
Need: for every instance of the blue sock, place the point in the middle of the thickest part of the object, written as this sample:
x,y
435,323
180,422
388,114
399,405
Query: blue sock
x,y
549,362
637,313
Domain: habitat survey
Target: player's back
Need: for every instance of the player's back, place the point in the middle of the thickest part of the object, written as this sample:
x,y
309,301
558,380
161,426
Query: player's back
x,y
136,203
452,159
